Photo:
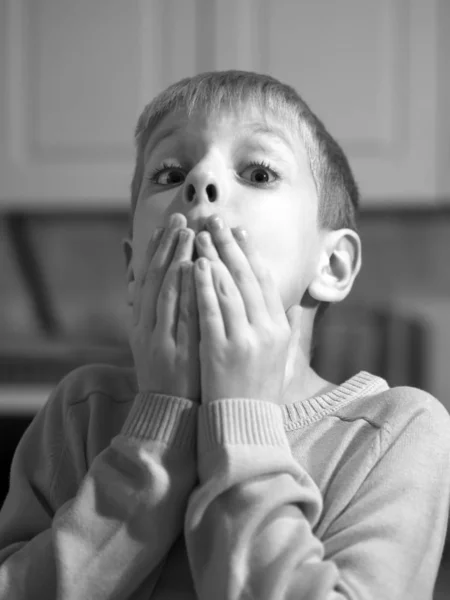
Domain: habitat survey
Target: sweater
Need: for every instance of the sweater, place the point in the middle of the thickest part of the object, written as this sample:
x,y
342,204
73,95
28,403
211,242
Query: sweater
x,y
120,494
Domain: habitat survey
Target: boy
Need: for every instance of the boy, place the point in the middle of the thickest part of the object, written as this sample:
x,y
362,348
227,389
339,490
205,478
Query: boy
x,y
222,466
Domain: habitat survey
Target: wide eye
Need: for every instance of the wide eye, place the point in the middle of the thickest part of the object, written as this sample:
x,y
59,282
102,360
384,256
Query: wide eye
x,y
167,175
259,174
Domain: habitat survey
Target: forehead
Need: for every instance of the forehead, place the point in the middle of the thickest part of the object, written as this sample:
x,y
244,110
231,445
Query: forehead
x,y
242,122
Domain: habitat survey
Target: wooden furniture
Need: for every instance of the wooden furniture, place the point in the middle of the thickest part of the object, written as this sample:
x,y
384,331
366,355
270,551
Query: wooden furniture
x,y
75,75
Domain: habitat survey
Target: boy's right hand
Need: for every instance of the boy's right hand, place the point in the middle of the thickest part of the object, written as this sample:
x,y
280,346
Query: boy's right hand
x,y
165,332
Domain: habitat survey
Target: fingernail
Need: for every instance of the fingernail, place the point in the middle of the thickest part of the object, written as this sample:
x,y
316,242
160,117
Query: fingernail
x,y
216,222
204,238
175,220
202,264
240,234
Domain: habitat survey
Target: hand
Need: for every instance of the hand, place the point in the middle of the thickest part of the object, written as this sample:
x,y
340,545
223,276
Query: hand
x,y
165,333
248,345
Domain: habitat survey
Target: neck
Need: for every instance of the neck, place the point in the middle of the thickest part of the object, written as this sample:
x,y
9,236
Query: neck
x,y
305,382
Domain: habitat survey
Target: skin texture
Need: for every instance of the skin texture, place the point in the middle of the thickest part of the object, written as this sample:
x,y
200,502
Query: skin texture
x,y
207,170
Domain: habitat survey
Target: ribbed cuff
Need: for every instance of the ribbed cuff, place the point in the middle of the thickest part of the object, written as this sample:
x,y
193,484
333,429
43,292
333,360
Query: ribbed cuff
x,y
163,418
240,421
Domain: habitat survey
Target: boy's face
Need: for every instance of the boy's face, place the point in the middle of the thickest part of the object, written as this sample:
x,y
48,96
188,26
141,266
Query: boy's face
x,y
245,166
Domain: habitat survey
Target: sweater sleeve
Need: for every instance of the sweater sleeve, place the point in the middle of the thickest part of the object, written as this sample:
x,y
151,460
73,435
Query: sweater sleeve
x,y
250,524
115,531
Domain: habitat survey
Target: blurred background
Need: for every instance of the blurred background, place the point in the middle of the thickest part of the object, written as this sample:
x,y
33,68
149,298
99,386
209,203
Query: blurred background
x,y
74,77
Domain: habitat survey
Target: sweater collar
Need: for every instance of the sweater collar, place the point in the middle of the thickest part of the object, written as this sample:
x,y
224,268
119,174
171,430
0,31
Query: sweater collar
x,y
312,409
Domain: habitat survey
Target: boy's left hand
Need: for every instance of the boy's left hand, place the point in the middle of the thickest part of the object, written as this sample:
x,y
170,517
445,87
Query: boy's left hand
x,y
248,345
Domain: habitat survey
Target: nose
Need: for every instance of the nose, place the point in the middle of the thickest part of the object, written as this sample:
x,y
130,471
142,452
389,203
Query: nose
x,y
204,192
204,183
198,192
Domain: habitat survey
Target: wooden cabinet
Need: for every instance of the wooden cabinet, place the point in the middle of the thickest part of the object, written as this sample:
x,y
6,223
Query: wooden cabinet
x,y
75,75
71,89
376,73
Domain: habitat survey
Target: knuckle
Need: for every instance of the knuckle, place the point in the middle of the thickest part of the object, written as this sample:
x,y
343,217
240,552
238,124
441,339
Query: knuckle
x,y
240,275
169,286
165,294
263,274
244,344
209,315
189,313
222,288
267,333
187,310
224,239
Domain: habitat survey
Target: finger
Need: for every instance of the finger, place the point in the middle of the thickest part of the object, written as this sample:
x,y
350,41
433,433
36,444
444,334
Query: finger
x,y
151,249
164,236
187,326
167,306
184,247
210,319
155,272
231,303
205,247
153,243
237,264
267,284
165,251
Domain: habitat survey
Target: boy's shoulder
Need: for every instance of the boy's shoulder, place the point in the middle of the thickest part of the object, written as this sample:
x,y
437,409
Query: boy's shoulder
x,y
394,409
90,405
87,382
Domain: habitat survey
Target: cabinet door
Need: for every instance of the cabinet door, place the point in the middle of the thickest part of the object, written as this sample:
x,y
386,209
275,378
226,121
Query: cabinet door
x,y
74,76
376,73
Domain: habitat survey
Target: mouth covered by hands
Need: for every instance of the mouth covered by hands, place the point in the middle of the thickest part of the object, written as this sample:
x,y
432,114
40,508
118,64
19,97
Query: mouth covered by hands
x,y
247,343
213,329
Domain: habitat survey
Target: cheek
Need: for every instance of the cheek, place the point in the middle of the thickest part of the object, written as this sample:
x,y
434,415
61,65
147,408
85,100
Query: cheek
x,y
289,271
277,239
286,250
142,231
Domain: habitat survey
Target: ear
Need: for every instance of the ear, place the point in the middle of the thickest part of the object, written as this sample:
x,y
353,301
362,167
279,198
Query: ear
x,y
127,247
338,265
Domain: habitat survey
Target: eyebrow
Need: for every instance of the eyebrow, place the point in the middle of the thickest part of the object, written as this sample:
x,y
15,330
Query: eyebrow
x,y
253,128
162,135
272,131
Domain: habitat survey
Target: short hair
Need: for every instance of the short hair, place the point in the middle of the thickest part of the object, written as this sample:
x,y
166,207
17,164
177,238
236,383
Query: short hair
x,y
212,91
